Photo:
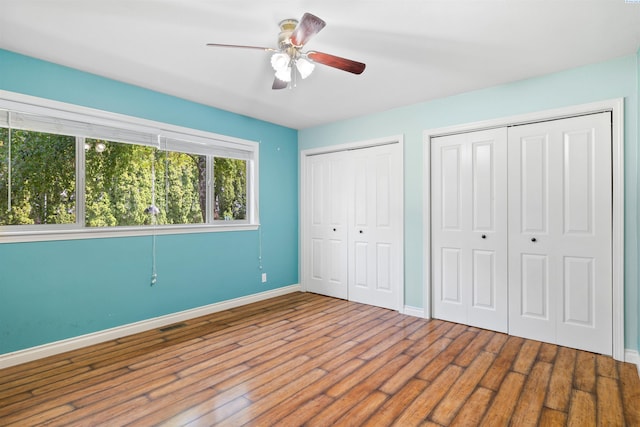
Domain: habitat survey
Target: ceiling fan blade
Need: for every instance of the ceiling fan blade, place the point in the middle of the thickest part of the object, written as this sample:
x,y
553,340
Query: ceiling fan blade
x,y
349,65
279,84
308,26
266,49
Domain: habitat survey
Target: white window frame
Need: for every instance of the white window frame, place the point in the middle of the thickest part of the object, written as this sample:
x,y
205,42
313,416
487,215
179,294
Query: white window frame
x,y
207,143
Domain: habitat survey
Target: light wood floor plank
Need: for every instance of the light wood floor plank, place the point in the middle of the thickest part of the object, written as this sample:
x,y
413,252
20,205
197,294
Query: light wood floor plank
x,y
417,363
526,357
502,363
585,373
474,348
426,340
306,411
501,410
583,409
561,380
552,418
460,391
362,411
289,410
421,407
609,403
547,352
630,387
397,403
474,408
446,357
496,343
529,407
305,359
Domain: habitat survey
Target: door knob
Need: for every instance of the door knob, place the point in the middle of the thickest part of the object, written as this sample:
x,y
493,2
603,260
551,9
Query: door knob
x,y
533,239
484,236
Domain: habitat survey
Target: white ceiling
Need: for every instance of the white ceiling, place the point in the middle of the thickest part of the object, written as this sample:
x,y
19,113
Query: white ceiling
x,y
414,50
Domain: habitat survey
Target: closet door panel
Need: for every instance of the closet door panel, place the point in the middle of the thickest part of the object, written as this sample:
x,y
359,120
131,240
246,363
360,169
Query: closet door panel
x,y
534,191
560,209
448,158
451,197
374,242
484,279
579,291
579,183
586,310
488,255
327,250
535,286
532,311
450,275
360,265
484,197
384,263
469,228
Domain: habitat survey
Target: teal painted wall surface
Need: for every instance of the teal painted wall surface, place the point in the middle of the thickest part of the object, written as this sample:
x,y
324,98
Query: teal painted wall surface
x,y
51,291
602,81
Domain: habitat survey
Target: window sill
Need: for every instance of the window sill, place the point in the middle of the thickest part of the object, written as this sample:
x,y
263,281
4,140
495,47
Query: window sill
x,y
110,232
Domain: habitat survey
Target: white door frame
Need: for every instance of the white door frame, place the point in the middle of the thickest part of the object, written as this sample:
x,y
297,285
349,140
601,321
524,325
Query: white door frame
x,y
305,215
616,106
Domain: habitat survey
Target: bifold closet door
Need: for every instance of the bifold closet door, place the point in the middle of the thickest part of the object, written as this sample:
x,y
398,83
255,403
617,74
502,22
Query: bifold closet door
x,y
326,247
469,228
375,252
354,212
560,277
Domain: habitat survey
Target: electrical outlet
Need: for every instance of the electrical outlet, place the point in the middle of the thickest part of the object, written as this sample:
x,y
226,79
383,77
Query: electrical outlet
x,y
264,277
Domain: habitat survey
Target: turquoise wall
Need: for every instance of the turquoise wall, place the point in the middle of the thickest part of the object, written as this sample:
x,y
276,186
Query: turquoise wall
x,y
55,290
601,81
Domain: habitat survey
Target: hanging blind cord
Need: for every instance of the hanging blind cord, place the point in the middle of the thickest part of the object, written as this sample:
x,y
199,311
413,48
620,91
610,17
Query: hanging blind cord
x,y
153,212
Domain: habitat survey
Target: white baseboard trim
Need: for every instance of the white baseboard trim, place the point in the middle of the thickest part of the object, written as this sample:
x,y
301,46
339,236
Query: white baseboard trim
x,y
413,311
632,356
57,347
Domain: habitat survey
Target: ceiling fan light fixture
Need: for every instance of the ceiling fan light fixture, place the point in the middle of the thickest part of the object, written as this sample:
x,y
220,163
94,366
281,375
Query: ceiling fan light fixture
x,y
305,67
288,59
284,74
280,61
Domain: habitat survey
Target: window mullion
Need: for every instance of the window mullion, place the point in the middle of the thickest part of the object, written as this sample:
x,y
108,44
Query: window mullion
x,y
9,171
210,196
80,182
251,208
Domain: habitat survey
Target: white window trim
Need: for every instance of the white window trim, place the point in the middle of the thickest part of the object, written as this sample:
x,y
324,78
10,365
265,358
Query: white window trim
x,y
77,230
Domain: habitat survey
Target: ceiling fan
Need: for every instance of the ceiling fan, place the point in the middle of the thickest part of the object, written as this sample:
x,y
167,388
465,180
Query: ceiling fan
x,y
288,59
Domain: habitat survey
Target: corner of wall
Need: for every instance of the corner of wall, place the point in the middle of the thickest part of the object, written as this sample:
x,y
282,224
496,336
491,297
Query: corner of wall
x,y
637,119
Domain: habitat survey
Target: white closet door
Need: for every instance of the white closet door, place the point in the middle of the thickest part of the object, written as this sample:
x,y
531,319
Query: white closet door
x,y
375,207
560,288
469,228
326,249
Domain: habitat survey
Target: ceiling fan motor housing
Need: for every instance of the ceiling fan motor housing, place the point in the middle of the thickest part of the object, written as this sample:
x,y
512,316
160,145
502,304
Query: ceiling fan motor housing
x,y
287,26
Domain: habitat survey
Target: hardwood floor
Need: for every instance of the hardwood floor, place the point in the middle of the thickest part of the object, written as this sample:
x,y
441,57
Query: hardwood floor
x,y
305,359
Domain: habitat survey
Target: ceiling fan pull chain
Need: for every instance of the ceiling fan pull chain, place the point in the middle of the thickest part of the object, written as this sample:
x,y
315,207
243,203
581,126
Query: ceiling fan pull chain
x,y
294,74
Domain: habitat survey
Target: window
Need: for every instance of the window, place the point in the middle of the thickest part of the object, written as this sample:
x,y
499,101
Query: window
x,y
67,171
38,178
230,189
